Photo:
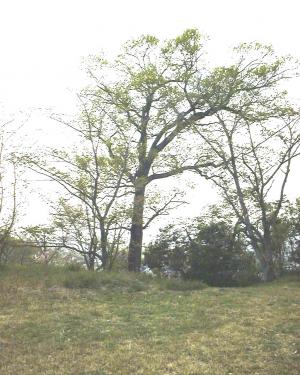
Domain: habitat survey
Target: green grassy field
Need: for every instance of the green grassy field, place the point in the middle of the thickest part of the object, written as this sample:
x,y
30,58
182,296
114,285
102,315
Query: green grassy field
x,y
136,326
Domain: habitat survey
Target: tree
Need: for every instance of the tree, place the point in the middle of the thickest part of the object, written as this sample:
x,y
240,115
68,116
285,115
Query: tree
x,y
79,230
93,213
154,93
257,151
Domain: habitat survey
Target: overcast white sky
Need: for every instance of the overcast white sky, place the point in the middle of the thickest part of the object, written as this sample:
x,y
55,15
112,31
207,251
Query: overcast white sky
x,y
43,41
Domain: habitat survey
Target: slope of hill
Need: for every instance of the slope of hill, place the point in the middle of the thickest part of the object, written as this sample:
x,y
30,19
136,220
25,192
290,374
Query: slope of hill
x,y
131,325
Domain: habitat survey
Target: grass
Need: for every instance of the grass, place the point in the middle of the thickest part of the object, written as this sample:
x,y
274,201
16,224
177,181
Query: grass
x,y
117,328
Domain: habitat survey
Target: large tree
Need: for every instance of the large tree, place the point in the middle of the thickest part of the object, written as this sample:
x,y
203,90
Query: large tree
x,y
154,92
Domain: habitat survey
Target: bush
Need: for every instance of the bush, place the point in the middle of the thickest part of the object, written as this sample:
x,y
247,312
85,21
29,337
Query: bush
x,y
168,251
204,251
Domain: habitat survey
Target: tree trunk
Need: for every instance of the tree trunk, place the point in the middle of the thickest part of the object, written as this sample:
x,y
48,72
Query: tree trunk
x,y
136,231
268,266
104,254
90,262
268,272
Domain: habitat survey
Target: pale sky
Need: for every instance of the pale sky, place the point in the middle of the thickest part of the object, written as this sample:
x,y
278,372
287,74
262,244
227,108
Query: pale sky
x,y
43,42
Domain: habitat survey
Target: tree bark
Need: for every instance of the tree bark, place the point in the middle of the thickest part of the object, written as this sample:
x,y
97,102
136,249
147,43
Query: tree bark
x,y
136,231
267,263
90,263
265,255
268,272
104,254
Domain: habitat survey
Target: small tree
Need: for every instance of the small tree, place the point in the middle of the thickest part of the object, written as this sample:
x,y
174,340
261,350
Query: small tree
x,y
93,213
79,231
257,151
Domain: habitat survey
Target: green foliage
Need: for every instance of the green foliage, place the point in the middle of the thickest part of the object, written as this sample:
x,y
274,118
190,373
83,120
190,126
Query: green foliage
x,y
189,41
218,258
88,221
138,116
206,251
168,250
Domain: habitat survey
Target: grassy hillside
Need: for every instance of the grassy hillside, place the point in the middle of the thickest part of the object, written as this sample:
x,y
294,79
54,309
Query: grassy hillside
x,y
128,325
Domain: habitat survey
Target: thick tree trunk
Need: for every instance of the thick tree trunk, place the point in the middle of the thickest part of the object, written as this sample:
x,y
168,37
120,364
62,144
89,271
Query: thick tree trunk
x,y
268,272
267,259
104,254
264,255
268,266
90,263
136,231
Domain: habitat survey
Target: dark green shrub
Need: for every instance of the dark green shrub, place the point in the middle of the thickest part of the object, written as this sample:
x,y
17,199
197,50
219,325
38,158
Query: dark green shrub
x,y
219,259
167,251
206,251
